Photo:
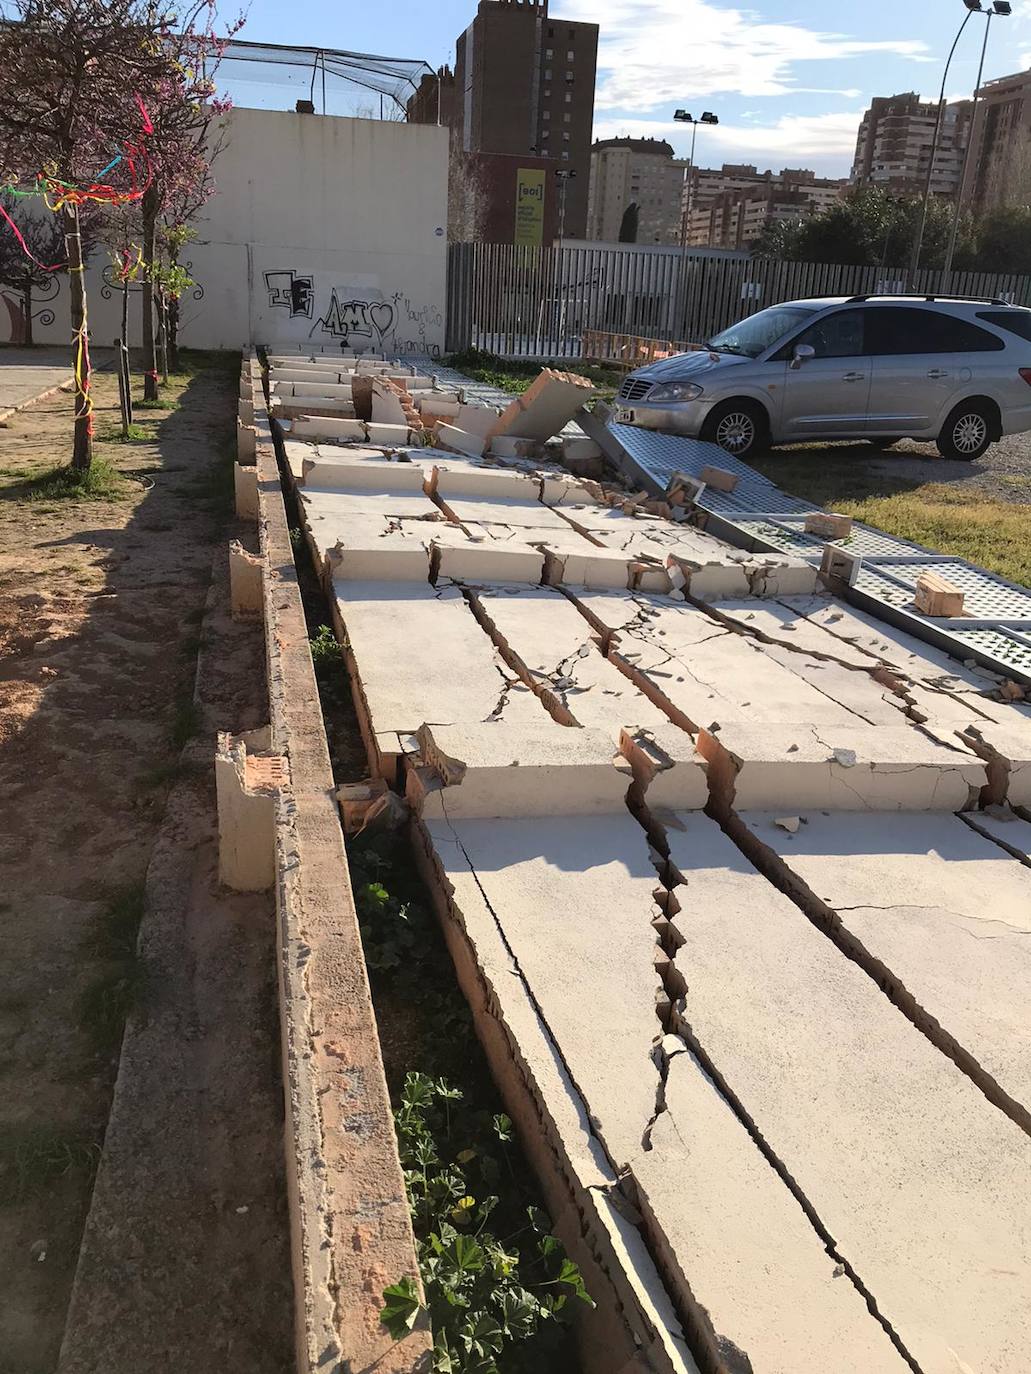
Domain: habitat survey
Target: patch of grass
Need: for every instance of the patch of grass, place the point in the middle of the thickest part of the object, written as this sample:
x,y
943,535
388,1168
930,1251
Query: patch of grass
x,y
515,374
185,722
135,434
100,482
940,515
110,997
160,404
35,1157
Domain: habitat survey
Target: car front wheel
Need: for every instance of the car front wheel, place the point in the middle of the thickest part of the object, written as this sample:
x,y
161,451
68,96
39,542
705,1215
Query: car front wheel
x,y
740,428
966,433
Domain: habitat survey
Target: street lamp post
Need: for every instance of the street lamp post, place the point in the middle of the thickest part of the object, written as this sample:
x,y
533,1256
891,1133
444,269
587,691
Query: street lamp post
x,y
1001,8
914,263
684,117
564,176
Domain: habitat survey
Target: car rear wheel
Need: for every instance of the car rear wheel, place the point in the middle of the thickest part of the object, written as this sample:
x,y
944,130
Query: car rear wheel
x,y
739,427
966,433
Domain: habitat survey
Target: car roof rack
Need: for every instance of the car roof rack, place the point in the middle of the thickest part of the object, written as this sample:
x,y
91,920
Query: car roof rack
x,y
928,296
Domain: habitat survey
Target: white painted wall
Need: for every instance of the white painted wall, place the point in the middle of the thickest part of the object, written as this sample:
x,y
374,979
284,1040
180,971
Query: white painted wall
x,y
323,229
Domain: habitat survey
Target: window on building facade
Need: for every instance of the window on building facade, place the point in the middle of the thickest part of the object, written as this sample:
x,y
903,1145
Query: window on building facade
x,y
547,114
565,154
567,118
549,52
569,97
570,55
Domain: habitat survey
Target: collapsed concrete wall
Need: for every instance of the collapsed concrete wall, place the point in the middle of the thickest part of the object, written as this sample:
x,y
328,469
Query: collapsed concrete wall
x,y
635,967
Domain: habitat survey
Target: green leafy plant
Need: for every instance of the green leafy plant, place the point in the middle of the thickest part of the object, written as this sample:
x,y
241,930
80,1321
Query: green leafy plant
x,y
484,1295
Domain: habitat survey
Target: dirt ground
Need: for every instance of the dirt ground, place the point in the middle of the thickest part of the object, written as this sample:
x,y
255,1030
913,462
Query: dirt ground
x,y
102,608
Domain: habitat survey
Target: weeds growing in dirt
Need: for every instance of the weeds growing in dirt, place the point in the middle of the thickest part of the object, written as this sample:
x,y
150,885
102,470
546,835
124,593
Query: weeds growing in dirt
x,y
185,722
33,1158
111,996
486,1294
100,482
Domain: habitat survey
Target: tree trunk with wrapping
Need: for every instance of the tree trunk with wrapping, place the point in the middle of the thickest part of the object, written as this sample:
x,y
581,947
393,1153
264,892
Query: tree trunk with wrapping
x,y
82,450
150,357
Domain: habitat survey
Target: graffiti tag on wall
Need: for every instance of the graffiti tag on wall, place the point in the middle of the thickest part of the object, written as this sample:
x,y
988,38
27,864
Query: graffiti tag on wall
x,y
287,291
358,317
356,322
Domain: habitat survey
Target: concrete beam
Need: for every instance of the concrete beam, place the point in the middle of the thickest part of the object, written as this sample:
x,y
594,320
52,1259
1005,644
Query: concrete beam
x,y
245,489
244,582
350,1227
246,784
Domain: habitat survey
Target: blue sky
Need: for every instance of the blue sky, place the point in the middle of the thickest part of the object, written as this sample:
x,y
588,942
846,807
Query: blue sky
x,y
788,80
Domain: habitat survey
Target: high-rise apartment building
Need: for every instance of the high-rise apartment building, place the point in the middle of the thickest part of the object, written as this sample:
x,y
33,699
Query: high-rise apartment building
x,y
999,164
893,148
730,207
640,174
523,110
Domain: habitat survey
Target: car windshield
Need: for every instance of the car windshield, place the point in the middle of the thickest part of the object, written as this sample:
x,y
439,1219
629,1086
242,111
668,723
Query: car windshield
x,y
755,335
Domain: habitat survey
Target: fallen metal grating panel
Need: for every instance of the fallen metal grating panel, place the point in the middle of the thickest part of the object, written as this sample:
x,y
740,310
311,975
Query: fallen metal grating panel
x,y
665,454
987,597
750,503
1013,651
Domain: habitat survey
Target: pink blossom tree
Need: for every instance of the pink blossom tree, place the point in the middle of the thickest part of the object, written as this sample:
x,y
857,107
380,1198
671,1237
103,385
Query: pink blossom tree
x,y
76,77
189,133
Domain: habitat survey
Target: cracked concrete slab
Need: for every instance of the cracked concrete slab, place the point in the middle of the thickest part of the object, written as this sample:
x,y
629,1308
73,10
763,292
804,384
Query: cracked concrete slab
x,y
405,688
563,1140
771,1298
505,769
1006,829
838,768
916,1177
551,646
944,911
502,511
733,1244
331,514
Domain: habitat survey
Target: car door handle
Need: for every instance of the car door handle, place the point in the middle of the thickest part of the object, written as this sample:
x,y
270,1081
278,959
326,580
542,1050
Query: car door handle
x,y
854,377
937,373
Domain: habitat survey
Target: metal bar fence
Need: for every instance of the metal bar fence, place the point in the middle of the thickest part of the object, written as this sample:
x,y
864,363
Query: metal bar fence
x,y
540,302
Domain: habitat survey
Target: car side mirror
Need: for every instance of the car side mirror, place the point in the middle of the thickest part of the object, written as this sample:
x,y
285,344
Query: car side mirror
x,y
803,352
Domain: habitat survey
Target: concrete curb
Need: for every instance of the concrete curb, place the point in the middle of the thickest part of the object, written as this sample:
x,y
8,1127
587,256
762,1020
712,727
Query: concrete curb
x,y
351,1233
43,396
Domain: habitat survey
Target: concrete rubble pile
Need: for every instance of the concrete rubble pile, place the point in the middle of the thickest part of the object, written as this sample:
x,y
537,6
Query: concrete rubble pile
x,y
735,877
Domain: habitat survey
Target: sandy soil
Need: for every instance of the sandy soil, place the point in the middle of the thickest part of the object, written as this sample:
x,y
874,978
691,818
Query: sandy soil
x,y
101,607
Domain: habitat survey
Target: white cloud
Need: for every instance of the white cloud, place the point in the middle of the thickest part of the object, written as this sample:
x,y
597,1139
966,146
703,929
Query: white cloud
x,y
824,143
672,51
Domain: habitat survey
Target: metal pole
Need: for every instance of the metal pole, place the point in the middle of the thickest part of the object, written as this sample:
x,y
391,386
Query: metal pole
x,y
914,262
947,269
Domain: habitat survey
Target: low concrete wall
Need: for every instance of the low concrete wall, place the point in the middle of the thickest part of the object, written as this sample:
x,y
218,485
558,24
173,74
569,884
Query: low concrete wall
x,y
350,1227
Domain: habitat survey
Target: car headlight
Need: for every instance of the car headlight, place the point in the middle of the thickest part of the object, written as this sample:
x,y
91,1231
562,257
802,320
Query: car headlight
x,y
676,391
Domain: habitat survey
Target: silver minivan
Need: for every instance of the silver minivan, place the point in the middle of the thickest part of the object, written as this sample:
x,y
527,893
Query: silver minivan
x,y
951,369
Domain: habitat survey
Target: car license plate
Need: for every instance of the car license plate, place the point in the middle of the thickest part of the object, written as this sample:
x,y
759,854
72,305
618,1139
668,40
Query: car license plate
x,y
624,416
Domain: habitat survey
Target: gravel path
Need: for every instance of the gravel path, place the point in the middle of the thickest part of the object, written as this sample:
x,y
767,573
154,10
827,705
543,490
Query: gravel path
x,y
1003,474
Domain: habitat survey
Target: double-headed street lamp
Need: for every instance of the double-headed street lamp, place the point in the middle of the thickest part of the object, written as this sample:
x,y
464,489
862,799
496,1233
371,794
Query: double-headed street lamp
x,y
683,117
999,7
